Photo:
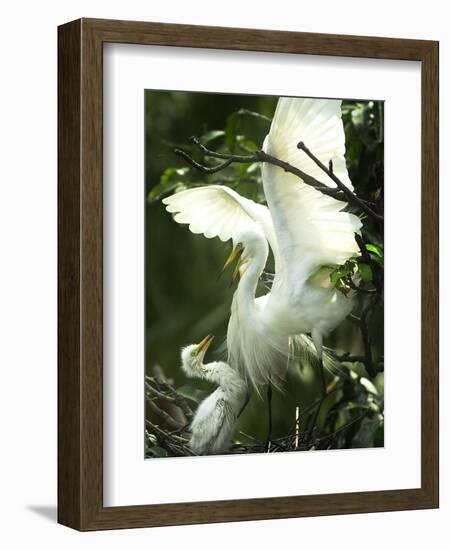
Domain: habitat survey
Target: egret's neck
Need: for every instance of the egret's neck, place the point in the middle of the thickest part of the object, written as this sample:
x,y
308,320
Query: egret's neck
x,y
225,377
249,280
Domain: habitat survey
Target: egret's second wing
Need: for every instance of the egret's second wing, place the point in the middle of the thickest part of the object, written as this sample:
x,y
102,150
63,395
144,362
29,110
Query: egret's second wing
x,y
311,228
218,211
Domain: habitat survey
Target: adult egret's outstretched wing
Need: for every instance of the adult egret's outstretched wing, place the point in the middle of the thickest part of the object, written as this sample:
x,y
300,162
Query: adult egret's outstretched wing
x,y
311,228
218,211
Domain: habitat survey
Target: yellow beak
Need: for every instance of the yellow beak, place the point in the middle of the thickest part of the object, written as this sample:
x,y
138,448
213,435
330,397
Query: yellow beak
x,y
235,253
237,269
205,343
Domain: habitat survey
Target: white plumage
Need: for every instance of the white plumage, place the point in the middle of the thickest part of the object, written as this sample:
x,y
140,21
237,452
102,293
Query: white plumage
x,y
304,228
214,422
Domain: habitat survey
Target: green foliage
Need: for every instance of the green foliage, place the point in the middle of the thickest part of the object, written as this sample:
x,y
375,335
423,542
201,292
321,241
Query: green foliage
x,y
157,452
171,181
364,136
344,277
355,414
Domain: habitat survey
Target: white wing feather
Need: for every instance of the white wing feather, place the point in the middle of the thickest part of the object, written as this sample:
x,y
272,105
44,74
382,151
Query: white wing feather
x,y
311,228
218,211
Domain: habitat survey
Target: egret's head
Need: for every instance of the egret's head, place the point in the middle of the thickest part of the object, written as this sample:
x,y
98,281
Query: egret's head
x,y
192,356
248,245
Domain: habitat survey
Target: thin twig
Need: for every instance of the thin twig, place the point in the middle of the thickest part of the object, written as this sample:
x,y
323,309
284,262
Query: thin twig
x,y
169,420
174,399
251,438
159,394
309,180
178,400
166,434
257,156
201,167
177,445
352,285
224,156
351,197
342,428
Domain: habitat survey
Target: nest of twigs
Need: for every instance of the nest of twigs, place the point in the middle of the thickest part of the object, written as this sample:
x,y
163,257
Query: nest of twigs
x,y
169,416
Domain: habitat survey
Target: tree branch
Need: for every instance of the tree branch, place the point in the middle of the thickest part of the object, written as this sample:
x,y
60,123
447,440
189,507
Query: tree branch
x,y
349,195
352,285
341,192
201,167
167,419
173,397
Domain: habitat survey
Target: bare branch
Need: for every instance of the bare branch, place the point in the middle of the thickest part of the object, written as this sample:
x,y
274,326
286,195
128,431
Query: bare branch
x,y
349,195
352,285
201,167
168,420
173,398
224,156
340,192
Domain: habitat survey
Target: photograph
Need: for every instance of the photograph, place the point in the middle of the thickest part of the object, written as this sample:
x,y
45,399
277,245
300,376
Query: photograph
x,y
264,274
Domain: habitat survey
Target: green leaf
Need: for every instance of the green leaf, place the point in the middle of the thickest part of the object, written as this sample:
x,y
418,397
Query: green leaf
x,y
169,173
210,136
254,114
163,188
172,179
366,272
246,143
240,167
335,276
379,261
375,249
368,385
342,272
253,168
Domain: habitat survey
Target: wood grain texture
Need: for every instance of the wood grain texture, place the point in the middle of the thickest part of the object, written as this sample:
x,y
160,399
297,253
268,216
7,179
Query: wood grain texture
x,y
69,245
430,272
80,400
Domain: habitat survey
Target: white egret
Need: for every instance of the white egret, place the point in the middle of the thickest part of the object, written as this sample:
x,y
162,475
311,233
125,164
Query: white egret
x,y
305,230
215,419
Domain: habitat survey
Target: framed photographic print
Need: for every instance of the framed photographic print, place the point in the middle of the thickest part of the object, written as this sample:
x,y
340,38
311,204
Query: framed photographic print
x,y
248,274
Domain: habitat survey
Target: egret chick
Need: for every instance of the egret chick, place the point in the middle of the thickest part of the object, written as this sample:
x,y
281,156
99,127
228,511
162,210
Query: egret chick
x,y
215,419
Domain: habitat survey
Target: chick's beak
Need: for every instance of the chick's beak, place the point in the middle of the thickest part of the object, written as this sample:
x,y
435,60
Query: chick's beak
x,y
205,343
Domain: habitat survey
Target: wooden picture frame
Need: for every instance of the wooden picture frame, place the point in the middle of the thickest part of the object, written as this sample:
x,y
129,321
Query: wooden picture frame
x,y
80,413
